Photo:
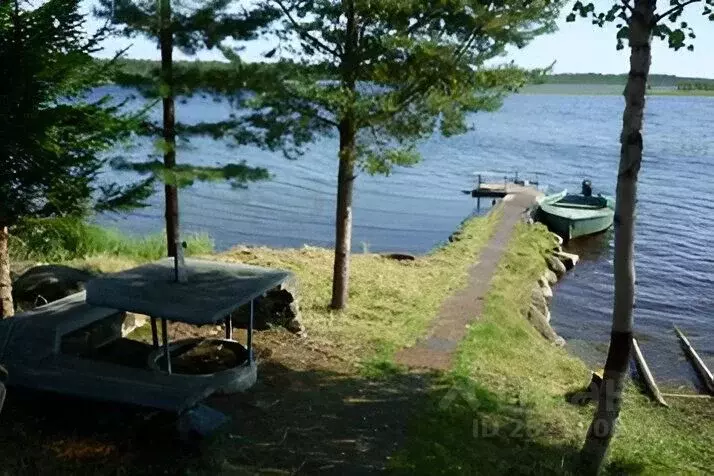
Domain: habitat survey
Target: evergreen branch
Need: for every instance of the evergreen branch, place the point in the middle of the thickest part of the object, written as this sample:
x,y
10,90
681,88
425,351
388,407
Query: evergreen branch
x,y
676,9
125,198
304,34
184,175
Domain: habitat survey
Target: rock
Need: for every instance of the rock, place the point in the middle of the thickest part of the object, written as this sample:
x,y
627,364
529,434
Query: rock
x,y
538,300
278,307
132,322
400,256
455,236
295,326
556,266
568,259
540,322
557,238
550,277
48,283
546,290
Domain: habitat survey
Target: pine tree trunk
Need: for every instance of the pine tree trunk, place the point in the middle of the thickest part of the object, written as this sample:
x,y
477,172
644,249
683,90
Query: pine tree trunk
x,y
343,221
169,125
346,173
6,305
604,422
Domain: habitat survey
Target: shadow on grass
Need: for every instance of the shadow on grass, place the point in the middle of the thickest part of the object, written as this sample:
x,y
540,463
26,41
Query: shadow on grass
x,y
306,421
466,429
293,421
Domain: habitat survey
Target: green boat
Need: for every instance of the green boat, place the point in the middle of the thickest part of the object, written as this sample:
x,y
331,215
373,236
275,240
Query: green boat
x,y
575,215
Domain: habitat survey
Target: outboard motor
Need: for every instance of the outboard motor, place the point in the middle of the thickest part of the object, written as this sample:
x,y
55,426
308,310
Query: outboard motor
x,y
587,188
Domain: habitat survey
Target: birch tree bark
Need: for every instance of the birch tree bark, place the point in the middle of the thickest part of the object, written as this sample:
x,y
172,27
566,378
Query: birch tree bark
x,y
604,422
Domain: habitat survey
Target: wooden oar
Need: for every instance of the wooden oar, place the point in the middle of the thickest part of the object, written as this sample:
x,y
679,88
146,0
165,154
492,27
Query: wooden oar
x,y
644,371
699,365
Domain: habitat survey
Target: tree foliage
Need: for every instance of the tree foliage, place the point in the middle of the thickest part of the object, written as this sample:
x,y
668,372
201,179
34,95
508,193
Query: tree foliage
x,y
194,26
668,25
383,75
52,138
417,67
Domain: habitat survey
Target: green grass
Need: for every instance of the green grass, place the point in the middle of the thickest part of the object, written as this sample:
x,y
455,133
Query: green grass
x,y
515,383
68,239
502,409
390,302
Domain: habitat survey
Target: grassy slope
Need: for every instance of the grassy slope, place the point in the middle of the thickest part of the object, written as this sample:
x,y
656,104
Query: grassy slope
x,y
515,384
391,302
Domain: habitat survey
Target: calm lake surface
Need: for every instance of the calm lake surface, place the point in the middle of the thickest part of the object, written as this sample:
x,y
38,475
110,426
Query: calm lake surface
x,y
566,138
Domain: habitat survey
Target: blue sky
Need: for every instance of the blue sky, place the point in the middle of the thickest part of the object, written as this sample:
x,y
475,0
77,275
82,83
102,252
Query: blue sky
x,y
576,47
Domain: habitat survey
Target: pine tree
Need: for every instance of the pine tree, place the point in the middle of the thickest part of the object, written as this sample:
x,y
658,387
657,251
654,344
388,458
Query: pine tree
x,y
51,137
382,75
189,26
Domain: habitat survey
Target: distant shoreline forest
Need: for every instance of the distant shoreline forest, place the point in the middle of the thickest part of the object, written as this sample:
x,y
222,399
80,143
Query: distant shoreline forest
x,y
133,69
655,80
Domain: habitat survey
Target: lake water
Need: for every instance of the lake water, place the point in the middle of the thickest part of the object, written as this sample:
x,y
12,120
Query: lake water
x,y
566,138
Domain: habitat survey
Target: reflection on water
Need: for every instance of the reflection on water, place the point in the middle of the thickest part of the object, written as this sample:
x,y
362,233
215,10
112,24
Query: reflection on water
x,y
592,248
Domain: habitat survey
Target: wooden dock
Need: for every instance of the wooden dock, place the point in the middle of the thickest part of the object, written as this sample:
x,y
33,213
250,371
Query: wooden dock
x,y
499,190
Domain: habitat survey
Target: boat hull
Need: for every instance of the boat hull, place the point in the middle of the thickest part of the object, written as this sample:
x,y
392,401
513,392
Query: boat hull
x,y
573,216
569,229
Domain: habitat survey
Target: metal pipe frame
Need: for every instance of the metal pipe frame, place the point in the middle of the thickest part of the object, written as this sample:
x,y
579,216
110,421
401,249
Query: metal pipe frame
x,y
229,327
154,333
165,337
249,344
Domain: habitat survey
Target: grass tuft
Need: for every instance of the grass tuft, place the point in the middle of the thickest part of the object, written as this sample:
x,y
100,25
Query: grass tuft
x,y
67,239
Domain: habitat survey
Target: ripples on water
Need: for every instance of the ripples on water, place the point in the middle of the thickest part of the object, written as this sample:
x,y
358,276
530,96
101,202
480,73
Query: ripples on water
x,y
567,138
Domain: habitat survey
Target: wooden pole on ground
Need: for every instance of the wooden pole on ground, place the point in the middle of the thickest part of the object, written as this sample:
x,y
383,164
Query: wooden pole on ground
x,y
644,371
686,395
699,365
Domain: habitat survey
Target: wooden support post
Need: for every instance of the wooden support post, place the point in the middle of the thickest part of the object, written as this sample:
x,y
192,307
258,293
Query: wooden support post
x,y
646,375
699,365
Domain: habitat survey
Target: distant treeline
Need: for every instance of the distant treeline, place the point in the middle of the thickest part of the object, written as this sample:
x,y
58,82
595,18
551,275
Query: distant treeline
x,y
697,86
655,80
136,72
209,76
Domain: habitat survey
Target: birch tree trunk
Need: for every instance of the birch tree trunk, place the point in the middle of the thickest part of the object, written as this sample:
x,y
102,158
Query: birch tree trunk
x,y
343,221
166,44
604,422
346,173
6,305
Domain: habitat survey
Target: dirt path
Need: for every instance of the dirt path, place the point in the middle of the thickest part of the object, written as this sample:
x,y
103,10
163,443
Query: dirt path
x,y
437,349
